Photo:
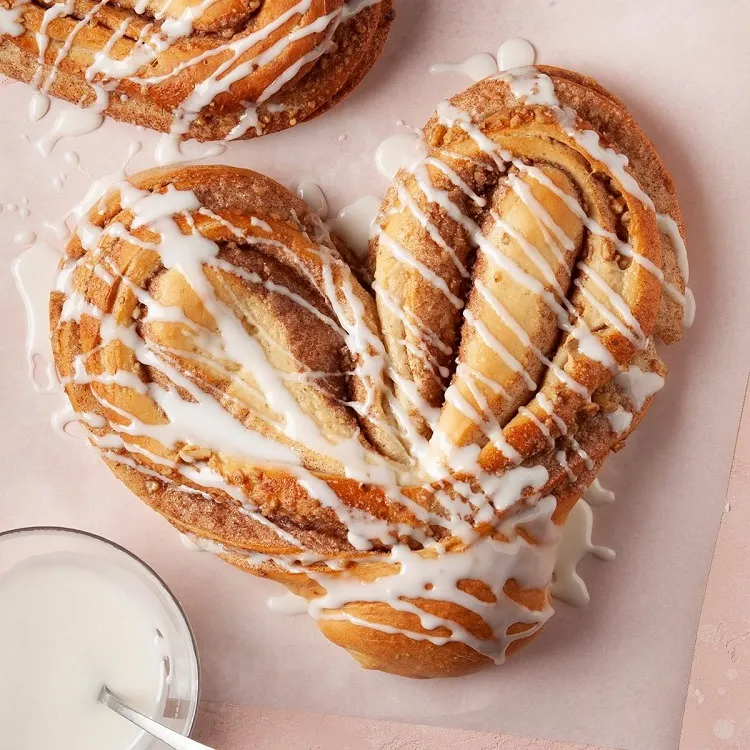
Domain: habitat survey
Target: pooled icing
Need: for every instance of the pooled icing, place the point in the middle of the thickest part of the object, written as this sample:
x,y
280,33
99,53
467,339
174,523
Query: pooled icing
x,y
639,385
355,224
34,271
575,544
475,67
10,21
515,53
399,151
597,495
314,197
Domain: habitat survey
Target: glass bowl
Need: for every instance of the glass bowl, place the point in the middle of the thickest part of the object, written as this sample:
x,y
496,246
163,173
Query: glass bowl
x,y
180,692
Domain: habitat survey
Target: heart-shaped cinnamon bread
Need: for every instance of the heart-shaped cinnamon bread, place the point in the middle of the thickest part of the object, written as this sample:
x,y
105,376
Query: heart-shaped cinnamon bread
x,y
398,445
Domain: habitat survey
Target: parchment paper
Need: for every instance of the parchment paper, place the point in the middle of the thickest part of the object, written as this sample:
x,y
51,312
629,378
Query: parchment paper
x,y
614,674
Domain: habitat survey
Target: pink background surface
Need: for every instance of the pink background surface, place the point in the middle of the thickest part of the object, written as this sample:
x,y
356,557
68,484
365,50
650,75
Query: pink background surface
x,y
615,674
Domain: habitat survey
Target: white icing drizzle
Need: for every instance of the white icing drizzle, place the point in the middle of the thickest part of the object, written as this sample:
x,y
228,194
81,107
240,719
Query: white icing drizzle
x,y
287,604
616,311
619,420
538,88
437,577
632,329
65,416
575,544
400,151
689,316
9,22
515,53
402,254
639,385
562,459
432,573
587,460
475,67
597,495
229,72
668,226
355,224
450,115
590,345
314,197
34,271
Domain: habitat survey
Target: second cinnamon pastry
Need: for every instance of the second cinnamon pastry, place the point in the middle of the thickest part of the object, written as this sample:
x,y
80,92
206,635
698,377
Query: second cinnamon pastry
x,y
204,69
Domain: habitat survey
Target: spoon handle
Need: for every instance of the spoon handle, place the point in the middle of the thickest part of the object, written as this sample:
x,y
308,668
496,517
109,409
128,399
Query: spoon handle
x,y
168,736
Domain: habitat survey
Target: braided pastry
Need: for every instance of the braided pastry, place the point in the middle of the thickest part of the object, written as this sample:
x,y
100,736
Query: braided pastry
x,y
398,445
205,69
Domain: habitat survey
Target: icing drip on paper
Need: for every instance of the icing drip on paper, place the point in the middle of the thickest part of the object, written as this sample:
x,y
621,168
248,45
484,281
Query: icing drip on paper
x,y
314,197
575,544
515,53
34,271
597,495
475,67
400,151
355,224
287,604
75,121
38,106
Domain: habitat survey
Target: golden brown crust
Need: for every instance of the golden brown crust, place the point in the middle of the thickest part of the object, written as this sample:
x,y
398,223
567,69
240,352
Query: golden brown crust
x,y
153,94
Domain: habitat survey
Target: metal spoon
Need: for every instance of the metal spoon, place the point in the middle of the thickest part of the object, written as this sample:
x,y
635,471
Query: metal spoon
x,y
168,736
